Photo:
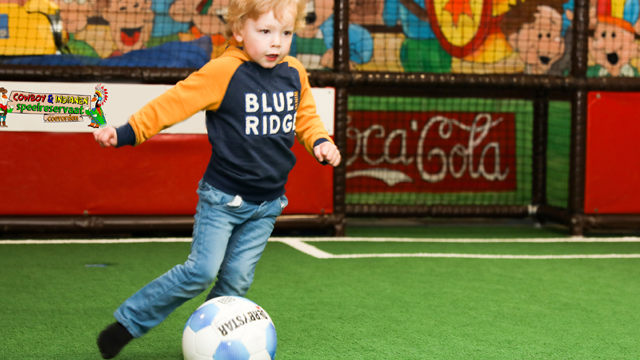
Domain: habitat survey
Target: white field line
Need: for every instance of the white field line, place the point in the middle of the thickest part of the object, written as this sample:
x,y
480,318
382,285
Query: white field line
x,y
301,245
93,241
574,239
491,256
306,248
319,254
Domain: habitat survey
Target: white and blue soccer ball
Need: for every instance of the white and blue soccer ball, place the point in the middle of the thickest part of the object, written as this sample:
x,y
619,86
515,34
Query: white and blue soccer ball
x,y
229,328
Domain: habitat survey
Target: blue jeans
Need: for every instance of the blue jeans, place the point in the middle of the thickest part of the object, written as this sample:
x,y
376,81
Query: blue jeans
x,y
229,237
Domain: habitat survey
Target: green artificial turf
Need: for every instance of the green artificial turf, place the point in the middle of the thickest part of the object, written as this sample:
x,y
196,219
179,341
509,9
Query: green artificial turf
x,y
440,229
53,305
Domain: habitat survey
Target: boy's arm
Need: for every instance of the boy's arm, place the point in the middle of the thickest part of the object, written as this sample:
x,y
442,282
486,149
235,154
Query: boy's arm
x,y
310,130
202,90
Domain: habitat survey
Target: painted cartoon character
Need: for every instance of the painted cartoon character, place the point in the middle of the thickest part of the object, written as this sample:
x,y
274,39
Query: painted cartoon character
x,y
31,27
165,28
75,15
4,109
313,45
421,50
131,23
96,113
205,18
534,31
613,44
366,12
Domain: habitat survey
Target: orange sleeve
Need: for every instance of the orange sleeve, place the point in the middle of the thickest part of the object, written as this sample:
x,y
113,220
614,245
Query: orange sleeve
x,y
309,126
202,90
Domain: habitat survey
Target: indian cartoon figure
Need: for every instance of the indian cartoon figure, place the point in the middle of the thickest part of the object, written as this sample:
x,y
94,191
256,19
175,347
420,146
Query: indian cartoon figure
x,y
4,109
205,17
613,44
96,113
131,23
534,30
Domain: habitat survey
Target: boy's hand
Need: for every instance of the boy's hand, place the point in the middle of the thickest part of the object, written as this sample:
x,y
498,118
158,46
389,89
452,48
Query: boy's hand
x,y
327,152
106,136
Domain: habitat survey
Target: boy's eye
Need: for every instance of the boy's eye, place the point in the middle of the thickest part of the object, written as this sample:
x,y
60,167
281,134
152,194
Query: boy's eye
x,y
288,33
264,31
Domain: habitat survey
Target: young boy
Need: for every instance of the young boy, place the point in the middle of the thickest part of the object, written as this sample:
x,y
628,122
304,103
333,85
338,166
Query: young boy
x,y
256,98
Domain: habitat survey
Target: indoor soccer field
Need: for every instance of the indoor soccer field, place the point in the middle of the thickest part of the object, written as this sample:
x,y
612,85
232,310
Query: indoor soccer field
x,y
383,292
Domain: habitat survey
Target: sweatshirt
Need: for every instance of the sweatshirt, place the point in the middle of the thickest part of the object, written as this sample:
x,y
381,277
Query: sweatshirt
x,y
253,115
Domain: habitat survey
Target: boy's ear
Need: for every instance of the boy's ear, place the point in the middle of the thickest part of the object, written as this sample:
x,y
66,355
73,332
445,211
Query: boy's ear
x,y
512,39
237,36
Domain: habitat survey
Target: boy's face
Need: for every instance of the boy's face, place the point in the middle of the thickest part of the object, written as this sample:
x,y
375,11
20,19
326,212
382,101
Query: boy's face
x,y
612,47
131,22
267,40
540,43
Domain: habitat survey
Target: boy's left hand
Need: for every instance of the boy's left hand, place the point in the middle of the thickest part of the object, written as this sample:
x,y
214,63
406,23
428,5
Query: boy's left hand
x,y
327,152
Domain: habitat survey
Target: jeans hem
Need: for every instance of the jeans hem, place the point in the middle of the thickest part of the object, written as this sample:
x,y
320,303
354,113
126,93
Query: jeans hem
x,y
127,325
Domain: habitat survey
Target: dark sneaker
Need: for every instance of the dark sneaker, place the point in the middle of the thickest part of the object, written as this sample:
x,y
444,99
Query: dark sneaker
x,y
112,339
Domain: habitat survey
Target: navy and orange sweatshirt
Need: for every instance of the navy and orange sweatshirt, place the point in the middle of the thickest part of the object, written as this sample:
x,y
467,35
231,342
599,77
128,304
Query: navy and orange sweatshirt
x,y
253,115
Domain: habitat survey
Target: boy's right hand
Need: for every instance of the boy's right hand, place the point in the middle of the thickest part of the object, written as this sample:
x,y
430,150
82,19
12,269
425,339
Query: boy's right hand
x,y
106,136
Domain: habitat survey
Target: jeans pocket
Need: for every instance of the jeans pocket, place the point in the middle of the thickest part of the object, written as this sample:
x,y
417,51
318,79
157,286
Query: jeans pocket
x,y
283,202
212,196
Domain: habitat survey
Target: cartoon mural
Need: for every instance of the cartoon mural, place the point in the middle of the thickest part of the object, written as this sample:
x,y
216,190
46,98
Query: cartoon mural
x,y
30,27
130,22
613,45
313,45
205,18
420,51
534,31
433,36
75,16
165,27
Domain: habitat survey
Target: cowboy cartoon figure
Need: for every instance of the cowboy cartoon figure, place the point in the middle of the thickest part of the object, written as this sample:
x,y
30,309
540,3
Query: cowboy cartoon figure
x,y
534,30
96,113
4,108
613,45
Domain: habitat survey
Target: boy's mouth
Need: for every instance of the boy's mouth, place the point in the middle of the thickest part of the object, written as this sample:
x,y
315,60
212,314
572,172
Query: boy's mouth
x,y
272,57
130,36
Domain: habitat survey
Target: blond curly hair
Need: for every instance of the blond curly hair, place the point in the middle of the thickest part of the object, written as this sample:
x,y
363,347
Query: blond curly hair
x,y
241,10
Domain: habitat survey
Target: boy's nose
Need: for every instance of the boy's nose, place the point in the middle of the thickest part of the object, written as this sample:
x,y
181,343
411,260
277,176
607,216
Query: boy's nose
x,y
275,42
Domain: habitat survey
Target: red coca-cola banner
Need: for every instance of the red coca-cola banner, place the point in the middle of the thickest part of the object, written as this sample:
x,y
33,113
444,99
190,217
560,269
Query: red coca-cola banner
x,y
395,151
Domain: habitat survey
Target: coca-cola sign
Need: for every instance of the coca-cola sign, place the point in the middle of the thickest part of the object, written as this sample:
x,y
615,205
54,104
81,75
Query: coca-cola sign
x,y
431,151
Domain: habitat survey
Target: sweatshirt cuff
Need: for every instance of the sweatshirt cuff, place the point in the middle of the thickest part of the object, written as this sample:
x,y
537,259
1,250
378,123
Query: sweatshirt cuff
x,y
126,136
318,142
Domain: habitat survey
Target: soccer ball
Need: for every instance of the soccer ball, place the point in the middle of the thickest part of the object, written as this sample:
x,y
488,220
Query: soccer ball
x,y
229,328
